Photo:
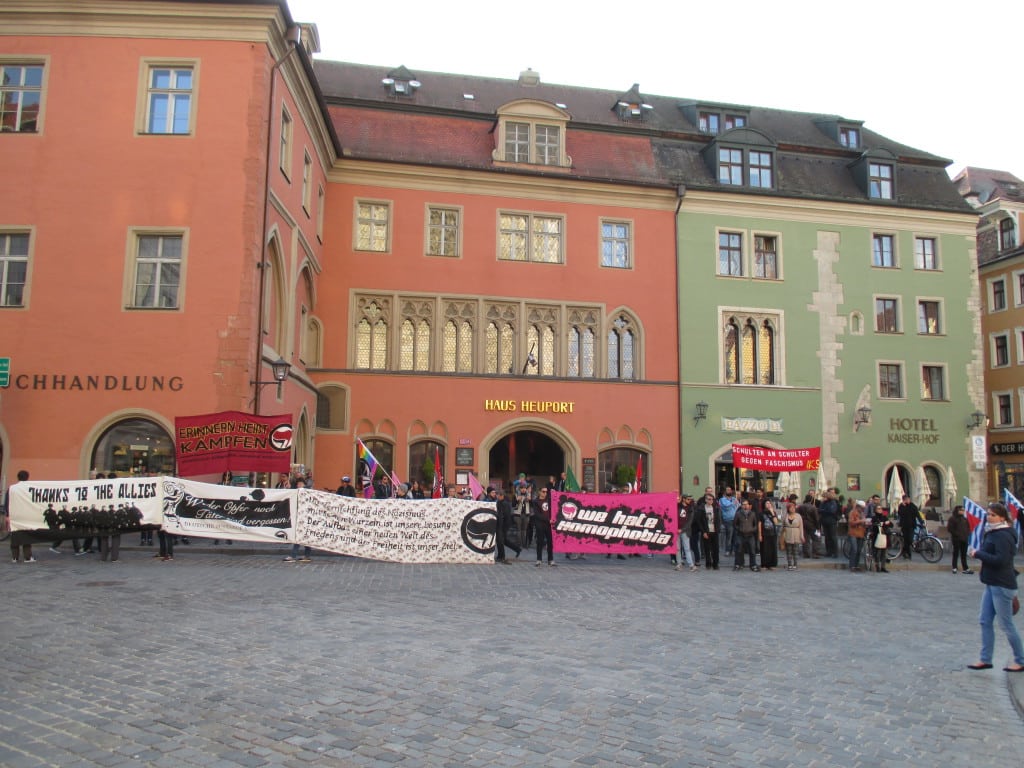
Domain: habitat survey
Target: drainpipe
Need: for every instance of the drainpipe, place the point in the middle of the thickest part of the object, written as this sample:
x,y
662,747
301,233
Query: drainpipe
x,y
292,36
680,194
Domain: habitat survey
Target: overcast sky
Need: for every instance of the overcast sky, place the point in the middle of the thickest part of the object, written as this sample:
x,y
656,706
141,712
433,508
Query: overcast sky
x,y
940,77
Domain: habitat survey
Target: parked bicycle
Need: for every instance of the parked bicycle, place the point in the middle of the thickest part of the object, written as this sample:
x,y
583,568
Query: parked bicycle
x,y
926,544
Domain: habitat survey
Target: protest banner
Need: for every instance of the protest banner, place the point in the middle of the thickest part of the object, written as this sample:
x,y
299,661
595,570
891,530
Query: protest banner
x,y
614,523
398,530
214,443
226,512
776,459
50,510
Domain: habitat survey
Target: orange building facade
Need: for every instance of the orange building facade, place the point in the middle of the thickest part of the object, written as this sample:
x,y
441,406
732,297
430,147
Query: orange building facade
x,y
197,209
163,245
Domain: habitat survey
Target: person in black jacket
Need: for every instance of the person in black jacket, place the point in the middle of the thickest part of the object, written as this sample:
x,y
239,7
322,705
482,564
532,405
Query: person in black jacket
x,y
503,512
906,515
959,533
998,546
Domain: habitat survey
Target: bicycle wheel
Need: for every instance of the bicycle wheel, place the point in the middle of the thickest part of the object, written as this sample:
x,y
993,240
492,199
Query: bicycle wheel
x,y
846,549
931,549
895,544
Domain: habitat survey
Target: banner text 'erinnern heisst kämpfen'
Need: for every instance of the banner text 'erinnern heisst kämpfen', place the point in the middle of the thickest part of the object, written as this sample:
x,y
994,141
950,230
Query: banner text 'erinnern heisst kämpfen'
x,y
213,443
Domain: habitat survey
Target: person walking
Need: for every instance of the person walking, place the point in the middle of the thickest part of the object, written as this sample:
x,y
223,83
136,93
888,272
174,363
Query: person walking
x,y
998,546
959,528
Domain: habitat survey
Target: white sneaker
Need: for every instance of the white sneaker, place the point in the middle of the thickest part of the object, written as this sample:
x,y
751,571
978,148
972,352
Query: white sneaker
x,y
31,560
55,550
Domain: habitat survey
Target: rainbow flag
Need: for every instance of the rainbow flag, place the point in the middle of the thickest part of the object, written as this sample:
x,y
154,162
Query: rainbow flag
x,y
369,464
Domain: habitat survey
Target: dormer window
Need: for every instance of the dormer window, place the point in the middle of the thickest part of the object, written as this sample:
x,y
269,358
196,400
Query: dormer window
x,y
531,132
714,119
631,105
880,181
1007,234
849,137
875,173
401,82
743,157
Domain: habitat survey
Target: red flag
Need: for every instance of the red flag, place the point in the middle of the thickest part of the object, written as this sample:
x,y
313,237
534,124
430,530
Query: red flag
x,y
438,490
639,473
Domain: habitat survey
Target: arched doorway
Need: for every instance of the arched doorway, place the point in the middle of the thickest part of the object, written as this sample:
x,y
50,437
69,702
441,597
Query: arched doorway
x,y
134,447
526,450
892,490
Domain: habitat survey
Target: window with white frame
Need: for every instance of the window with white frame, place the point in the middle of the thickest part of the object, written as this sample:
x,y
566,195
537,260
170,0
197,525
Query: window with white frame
x,y
849,137
517,142
750,348
615,244
1007,234
531,132
1003,407
284,158
157,270
880,181
547,144
170,98
924,253
999,349
581,341
933,382
307,183
371,333
13,268
760,170
622,347
766,257
442,231
730,254
890,381
320,197
373,226
415,334
1018,334
730,166
883,253
887,314
929,317
21,94
996,295
530,237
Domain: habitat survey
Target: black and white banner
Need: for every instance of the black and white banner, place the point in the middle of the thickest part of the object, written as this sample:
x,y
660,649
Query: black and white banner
x,y
226,512
78,508
397,530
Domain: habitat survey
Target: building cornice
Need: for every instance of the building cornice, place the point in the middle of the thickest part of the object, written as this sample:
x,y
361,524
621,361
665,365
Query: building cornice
x,y
830,212
458,180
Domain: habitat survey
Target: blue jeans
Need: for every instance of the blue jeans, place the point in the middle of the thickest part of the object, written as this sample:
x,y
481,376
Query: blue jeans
x,y
295,551
856,550
997,602
728,536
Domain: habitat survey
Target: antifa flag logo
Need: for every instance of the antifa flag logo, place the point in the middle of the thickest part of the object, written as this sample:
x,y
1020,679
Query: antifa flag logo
x,y
281,437
478,529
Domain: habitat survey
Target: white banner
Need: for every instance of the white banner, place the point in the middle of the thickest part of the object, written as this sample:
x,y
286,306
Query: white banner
x,y
399,530
226,511
74,507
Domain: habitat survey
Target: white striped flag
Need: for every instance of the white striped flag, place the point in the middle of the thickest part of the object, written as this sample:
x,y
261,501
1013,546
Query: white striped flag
x,y
976,518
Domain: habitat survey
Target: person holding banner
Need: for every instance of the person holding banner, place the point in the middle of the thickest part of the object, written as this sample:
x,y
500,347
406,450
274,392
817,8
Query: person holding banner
x,y
19,552
996,552
540,508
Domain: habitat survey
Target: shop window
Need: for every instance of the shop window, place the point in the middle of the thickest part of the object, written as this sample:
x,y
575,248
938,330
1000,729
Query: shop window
x,y
134,448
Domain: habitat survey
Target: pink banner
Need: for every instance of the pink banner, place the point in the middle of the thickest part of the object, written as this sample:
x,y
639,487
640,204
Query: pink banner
x,y
614,523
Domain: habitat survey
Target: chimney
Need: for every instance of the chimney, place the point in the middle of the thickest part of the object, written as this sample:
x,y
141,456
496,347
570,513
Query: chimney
x,y
529,77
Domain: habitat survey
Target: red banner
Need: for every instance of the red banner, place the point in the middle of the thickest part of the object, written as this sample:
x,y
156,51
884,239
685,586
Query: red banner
x,y
776,459
216,442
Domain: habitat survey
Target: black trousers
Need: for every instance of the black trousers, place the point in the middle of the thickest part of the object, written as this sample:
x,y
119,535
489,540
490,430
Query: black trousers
x,y
542,533
711,550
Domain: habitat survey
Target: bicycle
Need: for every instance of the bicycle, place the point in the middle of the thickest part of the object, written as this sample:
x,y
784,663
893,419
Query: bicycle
x,y
926,544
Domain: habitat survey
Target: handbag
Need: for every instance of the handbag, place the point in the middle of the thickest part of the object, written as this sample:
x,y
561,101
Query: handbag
x,y
1016,605
881,541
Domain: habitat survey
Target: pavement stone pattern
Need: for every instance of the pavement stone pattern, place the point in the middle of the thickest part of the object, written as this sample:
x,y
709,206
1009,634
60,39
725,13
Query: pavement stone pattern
x,y
230,657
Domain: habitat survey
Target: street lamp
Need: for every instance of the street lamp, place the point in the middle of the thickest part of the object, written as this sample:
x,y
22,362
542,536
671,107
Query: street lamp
x,y
975,420
701,413
863,417
279,368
